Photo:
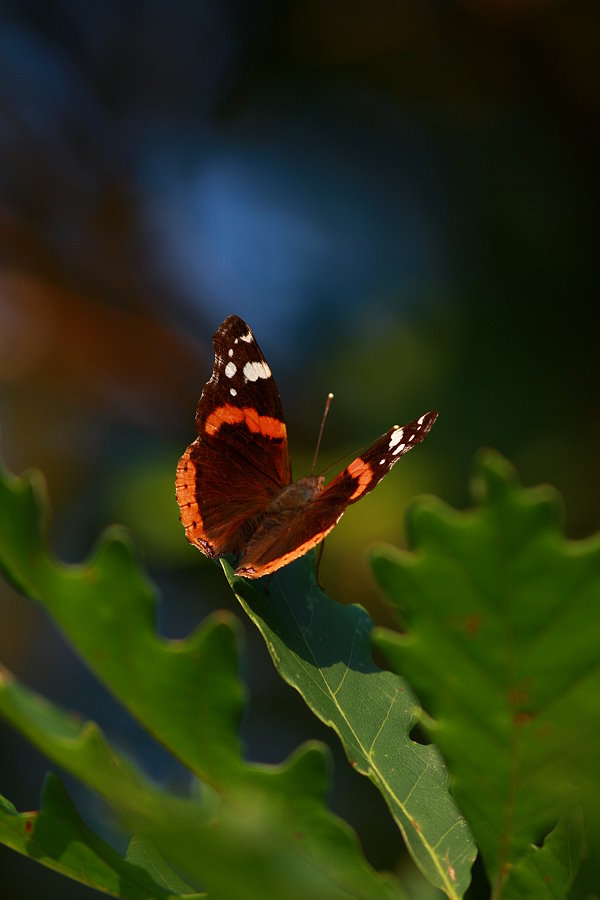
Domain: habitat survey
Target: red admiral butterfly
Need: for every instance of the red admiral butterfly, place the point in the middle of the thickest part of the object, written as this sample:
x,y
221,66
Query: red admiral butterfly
x,y
234,483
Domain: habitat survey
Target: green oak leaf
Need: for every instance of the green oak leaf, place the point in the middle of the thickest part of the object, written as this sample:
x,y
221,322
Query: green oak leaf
x,y
501,642
57,837
266,824
323,650
272,830
107,609
549,870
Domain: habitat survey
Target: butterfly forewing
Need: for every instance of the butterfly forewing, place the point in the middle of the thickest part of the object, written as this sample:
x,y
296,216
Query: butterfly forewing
x,y
284,540
367,470
239,461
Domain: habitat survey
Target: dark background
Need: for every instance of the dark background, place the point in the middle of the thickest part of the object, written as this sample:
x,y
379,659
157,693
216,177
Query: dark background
x,y
401,200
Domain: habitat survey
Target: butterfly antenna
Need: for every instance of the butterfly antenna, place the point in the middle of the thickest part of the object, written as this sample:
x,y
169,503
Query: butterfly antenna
x,y
327,405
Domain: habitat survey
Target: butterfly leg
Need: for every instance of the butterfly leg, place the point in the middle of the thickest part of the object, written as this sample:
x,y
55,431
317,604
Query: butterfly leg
x,y
318,565
268,580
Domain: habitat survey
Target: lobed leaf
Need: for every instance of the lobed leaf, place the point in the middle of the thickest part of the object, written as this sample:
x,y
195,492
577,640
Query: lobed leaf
x,y
502,619
549,870
323,650
107,610
272,830
57,837
267,825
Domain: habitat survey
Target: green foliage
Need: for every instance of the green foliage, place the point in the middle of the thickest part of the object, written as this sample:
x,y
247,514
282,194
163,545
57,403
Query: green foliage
x,y
502,635
267,825
501,629
323,650
57,837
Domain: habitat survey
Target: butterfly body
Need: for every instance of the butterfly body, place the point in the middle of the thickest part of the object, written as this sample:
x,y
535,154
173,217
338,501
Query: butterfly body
x,y
297,494
234,482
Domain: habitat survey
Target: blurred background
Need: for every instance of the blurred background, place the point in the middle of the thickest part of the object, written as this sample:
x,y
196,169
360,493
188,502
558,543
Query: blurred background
x,y
401,199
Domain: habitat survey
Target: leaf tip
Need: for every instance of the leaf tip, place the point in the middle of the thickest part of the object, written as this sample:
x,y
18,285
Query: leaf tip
x,y
495,480
492,475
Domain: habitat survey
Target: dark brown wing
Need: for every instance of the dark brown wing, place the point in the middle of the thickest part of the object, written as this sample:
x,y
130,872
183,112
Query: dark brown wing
x,y
281,539
239,461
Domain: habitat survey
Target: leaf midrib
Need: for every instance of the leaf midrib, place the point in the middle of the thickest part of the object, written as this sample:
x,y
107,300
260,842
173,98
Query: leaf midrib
x,y
367,754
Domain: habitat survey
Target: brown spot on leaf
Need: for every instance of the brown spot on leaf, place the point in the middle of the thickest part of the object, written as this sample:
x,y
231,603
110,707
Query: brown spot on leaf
x,y
522,718
473,623
517,697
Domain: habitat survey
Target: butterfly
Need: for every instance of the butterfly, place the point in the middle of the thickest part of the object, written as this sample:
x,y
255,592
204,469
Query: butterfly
x,y
234,482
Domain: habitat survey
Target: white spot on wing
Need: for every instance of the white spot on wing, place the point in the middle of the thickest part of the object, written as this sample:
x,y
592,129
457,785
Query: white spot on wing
x,y
255,370
398,449
233,392
396,437
421,420
246,337
381,461
230,369
230,351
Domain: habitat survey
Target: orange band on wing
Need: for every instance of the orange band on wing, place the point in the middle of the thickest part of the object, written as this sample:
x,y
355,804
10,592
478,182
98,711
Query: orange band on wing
x,y
233,415
363,473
